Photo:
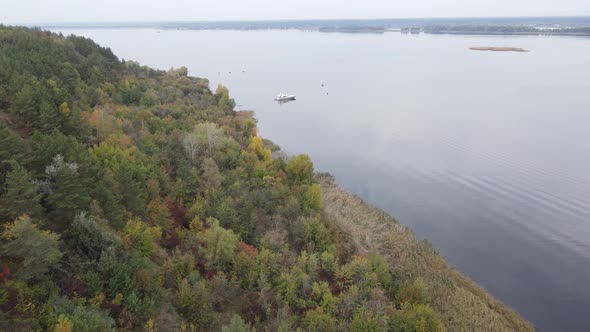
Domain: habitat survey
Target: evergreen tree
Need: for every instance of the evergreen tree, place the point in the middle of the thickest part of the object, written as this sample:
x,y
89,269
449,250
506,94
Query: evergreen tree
x,y
21,195
49,117
4,97
236,325
66,194
33,250
131,191
11,147
25,105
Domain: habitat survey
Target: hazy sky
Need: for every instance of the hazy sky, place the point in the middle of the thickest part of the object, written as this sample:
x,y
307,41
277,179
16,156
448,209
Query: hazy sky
x,y
49,11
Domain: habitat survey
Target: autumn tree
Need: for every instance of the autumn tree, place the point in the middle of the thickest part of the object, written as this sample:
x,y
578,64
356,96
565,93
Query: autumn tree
x,y
224,101
211,175
205,137
313,197
159,214
258,157
141,237
192,145
300,169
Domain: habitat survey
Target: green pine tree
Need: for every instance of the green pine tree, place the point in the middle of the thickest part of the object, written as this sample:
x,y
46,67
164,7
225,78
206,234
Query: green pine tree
x,y
49,117
25,105
34,250
21,195
11,147
67,194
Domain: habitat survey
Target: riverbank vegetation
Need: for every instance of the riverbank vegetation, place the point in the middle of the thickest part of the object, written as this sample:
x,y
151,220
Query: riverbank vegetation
x,y
463,305
138,199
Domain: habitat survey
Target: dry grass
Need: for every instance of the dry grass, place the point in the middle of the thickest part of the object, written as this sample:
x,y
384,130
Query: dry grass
x,y
463,305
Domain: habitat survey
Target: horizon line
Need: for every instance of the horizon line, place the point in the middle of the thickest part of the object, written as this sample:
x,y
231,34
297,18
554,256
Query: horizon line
x,y
40,24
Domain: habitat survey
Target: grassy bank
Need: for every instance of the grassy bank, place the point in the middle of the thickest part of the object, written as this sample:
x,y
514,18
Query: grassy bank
x,y
463,305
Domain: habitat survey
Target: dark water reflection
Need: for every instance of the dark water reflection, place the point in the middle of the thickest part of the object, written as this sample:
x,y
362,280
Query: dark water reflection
x,y
486,154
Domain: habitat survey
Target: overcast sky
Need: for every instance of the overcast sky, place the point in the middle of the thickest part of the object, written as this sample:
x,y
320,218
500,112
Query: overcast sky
x,y
51,11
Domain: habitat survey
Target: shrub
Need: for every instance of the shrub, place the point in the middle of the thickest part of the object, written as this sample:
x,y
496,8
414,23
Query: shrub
x,y
323,296
416,318
328,263
317,237
366,272
414,293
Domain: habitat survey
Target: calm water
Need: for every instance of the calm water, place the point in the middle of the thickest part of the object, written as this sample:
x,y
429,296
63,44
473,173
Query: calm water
x,y
485,154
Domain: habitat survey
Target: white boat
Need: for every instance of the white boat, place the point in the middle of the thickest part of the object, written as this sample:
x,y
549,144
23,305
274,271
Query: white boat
x,y
284,97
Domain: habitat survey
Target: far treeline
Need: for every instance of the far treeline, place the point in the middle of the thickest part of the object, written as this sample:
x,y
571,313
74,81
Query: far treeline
x,y
504,30
135,199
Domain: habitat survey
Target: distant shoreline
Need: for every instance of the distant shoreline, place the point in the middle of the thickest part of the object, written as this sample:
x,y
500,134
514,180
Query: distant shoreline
x,y
353,30
540,26
493,33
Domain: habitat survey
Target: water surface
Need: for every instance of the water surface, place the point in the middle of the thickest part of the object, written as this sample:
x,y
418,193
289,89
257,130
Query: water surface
x,y
485,154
